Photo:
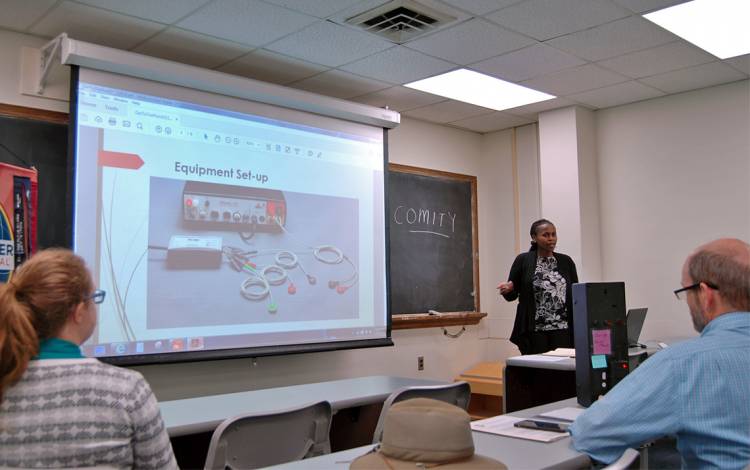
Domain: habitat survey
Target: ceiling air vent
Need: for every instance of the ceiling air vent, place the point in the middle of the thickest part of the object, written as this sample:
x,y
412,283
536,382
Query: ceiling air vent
x,y
400,21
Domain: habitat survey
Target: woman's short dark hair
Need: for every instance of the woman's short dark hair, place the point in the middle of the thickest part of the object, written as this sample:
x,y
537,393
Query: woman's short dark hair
x,y
533,229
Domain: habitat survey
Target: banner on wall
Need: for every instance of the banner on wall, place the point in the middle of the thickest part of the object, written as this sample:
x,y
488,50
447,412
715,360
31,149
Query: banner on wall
x,y
18,217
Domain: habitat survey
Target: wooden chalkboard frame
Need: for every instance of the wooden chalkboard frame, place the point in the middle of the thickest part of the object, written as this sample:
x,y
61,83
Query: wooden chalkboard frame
x,y
409,321
55,117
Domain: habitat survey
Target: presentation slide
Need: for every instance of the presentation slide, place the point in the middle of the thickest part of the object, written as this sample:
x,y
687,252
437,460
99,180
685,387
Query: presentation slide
x,y
220,224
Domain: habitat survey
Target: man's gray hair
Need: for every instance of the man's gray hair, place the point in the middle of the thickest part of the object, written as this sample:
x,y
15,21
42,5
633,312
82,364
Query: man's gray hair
x,y
725,270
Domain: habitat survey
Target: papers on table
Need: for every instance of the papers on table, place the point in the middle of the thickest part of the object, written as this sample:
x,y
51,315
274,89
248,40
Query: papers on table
x,y
568,414
503,426
538,358
561,352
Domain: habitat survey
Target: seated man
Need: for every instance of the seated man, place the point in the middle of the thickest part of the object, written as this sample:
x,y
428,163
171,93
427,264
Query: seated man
x,y
697,390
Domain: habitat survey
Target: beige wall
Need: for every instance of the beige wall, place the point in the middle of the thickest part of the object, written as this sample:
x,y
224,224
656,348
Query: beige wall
x,y
673,173
11,45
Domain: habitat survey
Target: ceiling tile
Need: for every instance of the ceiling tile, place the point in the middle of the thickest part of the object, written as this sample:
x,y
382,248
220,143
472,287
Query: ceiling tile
x,y
191,48
398,65
447,111
574,80
318,8
398,98
622,93
613,39
95,25
469,42
18,15
480,7
362,6
271,67
528,62
533,109
339,84
329,44
701,76
643,6
545,19
491,122
163,11
660,59
245,21
741,63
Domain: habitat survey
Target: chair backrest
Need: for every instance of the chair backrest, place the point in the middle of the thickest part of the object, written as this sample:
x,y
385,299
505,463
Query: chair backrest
x,y
625,461
263,439
457,393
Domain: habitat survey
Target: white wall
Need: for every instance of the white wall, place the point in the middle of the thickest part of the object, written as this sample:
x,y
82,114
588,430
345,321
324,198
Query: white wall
x,y
10,73
674,172
588,180
504,218
559,188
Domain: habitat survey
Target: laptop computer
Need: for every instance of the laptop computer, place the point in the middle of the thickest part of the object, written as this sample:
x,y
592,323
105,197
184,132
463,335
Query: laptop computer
x,y
635,319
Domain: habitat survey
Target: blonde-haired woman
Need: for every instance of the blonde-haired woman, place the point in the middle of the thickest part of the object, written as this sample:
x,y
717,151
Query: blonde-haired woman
x,y
58,408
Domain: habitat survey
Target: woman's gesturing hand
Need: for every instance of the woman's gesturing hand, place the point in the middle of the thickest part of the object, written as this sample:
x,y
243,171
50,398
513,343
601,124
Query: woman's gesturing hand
x,y
505,287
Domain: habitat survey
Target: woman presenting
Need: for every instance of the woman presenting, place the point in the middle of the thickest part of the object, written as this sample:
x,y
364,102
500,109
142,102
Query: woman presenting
x,y
542,281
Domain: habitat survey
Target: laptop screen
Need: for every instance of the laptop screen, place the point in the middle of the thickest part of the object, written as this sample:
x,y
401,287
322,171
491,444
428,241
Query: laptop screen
x,y
635,319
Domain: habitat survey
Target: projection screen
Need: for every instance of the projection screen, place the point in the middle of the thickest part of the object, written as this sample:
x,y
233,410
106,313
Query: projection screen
x,y
222,227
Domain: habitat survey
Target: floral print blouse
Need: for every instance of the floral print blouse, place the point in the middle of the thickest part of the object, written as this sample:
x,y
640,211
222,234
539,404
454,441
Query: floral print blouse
x,y
549,294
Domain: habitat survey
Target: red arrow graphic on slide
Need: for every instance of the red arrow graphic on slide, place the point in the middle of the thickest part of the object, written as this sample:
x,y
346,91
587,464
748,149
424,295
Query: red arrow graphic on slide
x,y
130,161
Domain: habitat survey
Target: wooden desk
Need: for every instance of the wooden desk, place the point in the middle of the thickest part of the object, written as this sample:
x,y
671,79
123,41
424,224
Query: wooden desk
x,y
486,382
517,454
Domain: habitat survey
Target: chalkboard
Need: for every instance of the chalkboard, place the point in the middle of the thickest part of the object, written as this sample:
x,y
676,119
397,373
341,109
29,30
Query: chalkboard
x,y
433,241
44,145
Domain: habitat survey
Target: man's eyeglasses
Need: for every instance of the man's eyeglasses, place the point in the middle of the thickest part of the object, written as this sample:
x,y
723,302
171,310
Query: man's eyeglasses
x,y
681,294
98,296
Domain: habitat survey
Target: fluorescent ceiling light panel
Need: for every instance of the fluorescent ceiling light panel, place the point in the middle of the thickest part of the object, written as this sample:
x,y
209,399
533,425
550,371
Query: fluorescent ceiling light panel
x,y
720,27
479,89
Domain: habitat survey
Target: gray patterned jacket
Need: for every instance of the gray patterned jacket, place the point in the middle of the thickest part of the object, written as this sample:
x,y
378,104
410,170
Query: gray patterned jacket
x,y
82,413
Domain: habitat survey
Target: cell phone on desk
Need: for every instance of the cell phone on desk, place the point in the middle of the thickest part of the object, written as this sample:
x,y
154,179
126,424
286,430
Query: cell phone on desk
x,y
542,425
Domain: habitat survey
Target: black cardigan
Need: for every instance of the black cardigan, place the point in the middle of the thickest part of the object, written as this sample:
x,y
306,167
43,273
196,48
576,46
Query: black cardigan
x,y
522,275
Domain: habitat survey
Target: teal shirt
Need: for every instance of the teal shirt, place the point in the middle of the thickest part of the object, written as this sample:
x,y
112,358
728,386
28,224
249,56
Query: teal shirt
x,y
56,348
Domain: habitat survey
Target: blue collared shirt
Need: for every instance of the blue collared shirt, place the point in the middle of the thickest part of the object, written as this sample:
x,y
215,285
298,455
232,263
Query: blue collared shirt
x,y
697,390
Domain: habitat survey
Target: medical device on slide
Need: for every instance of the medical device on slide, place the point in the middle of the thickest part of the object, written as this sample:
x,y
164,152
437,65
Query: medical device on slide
x,y
190,252
211,206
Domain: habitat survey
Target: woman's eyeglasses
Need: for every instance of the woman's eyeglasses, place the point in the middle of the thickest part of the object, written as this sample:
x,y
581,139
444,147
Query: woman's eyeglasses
x,y
98,296
681,294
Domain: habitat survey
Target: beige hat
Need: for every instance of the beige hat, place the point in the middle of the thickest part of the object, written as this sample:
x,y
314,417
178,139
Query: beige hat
x,y
425,433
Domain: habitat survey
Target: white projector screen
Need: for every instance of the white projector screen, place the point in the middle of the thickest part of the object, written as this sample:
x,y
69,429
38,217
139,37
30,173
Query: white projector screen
x,y
221,227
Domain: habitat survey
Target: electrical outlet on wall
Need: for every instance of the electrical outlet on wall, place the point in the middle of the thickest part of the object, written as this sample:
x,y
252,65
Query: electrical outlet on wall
x,y
420,363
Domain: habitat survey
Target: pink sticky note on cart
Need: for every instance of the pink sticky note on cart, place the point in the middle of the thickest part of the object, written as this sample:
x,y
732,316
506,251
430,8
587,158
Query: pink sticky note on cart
x,y
602,340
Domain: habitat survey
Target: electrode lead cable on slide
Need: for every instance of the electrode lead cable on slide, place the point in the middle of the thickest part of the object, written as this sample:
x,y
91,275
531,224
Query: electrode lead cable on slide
x,y
257,286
